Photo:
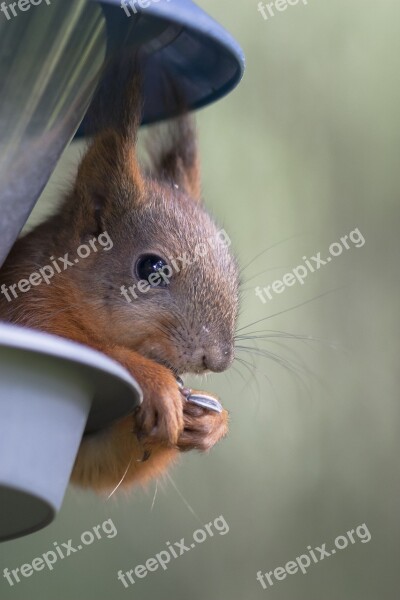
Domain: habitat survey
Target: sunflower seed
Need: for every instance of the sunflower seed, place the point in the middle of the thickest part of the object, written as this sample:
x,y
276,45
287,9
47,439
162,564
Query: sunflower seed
x,y
205,400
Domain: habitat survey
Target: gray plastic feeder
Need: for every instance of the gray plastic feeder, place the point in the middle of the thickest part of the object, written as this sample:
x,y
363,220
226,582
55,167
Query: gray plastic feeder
x,y
51,391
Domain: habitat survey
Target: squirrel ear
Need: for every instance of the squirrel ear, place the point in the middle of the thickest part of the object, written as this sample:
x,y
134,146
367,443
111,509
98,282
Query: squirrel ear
x,y
178,159
109,179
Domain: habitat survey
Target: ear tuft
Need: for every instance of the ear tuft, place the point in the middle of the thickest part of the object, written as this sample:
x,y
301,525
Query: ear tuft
x,y
174,155
109,177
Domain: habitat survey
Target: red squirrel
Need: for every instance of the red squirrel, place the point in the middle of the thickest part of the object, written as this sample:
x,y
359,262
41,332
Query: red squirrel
x,y
185,326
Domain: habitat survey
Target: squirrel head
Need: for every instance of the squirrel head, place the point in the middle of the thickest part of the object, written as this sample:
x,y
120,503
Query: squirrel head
x,y
165,282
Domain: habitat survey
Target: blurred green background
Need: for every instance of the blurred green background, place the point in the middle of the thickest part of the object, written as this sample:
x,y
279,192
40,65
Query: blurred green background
x,y
303,152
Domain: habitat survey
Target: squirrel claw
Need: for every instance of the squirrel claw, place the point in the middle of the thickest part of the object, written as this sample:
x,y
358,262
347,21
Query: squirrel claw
x,y
145,457
202,428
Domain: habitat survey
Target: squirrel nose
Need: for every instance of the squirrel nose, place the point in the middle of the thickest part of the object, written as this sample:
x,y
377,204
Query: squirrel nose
x,y
217,359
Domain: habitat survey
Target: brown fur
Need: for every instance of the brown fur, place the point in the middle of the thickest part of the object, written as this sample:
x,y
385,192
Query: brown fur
x,y
163,333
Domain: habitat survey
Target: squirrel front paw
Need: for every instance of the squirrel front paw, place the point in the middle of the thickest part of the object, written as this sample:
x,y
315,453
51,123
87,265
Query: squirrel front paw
x,y
160,417
202,428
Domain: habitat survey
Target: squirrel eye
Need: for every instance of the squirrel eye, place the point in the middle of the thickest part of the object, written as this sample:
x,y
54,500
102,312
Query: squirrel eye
x,y
148,265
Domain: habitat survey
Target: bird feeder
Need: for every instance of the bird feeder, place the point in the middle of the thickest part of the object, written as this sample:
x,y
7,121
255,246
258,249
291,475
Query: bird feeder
x,y
52,59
